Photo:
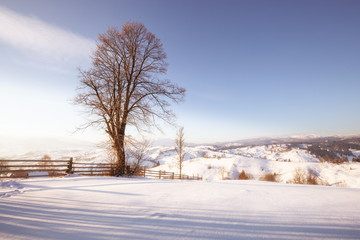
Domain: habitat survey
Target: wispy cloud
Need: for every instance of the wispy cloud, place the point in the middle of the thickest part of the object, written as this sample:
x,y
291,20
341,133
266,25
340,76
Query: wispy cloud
x,y
33,35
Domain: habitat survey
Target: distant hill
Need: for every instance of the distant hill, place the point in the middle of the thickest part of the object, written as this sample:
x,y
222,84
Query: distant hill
x,y
292,139
331,160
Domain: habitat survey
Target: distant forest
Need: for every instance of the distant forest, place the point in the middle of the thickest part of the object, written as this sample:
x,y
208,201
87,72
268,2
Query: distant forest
x,y
326,149
334,150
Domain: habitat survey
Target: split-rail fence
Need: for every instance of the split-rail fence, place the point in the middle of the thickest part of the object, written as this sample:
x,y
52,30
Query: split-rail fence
x,y
57,168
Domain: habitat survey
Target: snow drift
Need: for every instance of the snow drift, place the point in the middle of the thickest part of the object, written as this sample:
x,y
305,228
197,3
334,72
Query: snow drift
x,y
122,208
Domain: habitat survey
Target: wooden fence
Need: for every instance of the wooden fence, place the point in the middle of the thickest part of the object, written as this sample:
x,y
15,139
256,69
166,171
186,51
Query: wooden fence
x,y
32,168
52,168
56,168
165,175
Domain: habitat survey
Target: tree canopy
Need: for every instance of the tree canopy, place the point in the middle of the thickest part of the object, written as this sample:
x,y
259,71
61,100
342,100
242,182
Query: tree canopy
x,y
124,85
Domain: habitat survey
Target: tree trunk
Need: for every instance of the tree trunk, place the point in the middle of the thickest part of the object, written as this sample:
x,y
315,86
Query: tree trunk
x,y
120,155
120,151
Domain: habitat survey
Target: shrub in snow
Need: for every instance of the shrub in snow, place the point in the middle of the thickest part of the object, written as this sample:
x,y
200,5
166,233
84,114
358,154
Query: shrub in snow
x,y
311,178
299,176
343,159
356,159
270,177
204,155
244,176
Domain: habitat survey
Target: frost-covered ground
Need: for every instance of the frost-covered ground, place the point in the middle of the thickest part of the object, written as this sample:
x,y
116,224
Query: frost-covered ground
x,y
122,208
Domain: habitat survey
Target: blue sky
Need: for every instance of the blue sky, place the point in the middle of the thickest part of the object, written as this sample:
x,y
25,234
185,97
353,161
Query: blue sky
x,y
251,68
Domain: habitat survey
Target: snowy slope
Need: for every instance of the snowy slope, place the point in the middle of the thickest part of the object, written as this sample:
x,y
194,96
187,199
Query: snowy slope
x,y
119,208
225,162
215,164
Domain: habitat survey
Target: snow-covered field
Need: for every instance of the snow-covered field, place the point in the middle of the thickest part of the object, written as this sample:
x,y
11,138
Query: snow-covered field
x,y
216,163
136,208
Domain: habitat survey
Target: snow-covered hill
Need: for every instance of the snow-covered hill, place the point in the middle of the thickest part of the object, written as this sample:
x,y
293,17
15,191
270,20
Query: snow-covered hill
x,y
256,161
282,157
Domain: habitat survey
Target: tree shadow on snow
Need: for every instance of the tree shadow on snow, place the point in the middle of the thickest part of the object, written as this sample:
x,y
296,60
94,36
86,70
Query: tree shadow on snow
x,y
92,220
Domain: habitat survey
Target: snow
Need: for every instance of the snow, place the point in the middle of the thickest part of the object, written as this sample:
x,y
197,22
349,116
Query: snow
x,y
276,152
38,174
57,149
217,164
356,152
76,207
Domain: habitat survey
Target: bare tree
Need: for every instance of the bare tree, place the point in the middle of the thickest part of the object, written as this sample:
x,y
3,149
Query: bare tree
x,y
124,85
180,145
137,150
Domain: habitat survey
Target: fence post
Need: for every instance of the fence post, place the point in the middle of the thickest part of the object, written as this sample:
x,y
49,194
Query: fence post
x,y
160,174
144,171
70,166
172,175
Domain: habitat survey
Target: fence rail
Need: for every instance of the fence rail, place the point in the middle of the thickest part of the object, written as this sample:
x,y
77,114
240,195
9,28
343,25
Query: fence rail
x,y
55,168
144,172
